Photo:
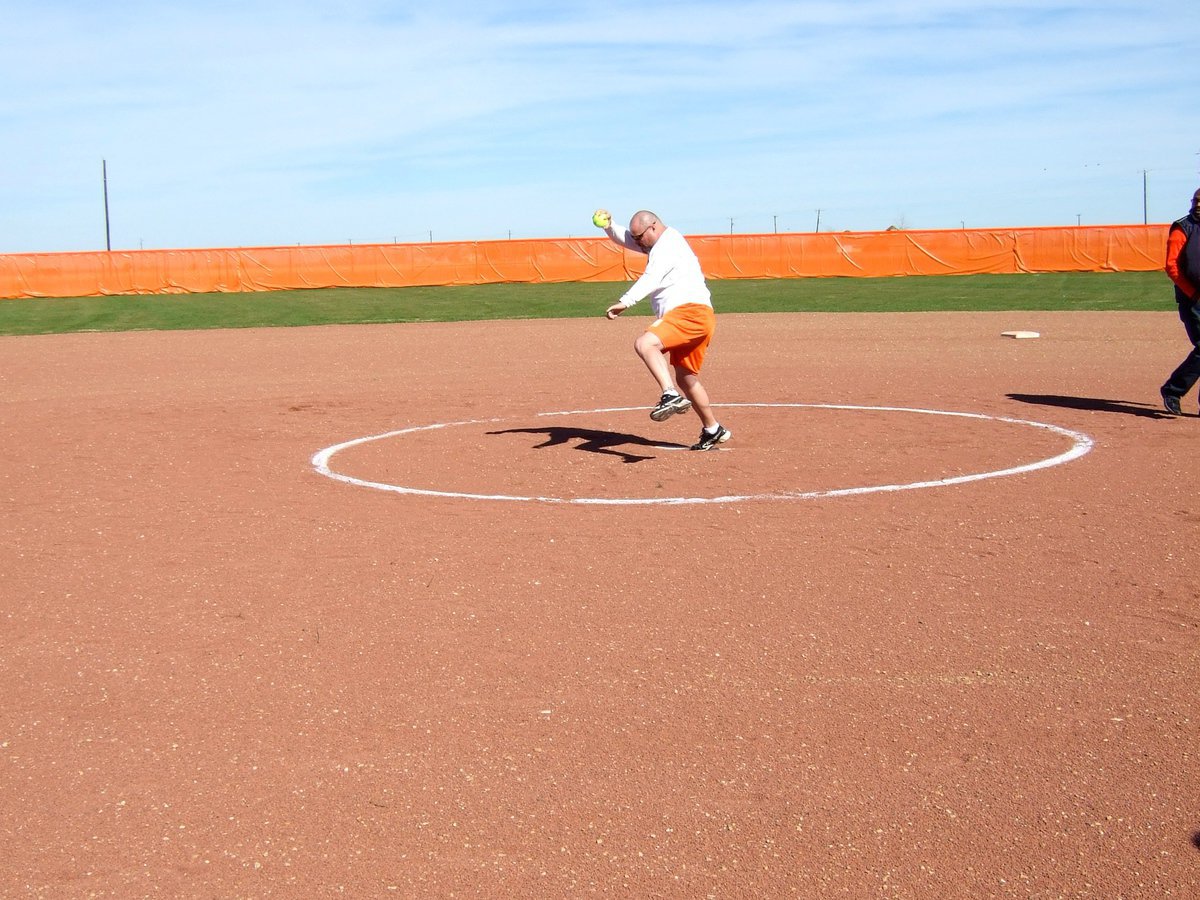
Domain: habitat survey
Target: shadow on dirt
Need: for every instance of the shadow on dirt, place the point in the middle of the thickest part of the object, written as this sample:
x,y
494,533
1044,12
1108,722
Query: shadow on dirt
x,y
595,441
1145,410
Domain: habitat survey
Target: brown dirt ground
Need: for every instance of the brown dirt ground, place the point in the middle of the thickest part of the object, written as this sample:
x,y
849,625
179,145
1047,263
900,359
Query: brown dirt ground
x,y
225,675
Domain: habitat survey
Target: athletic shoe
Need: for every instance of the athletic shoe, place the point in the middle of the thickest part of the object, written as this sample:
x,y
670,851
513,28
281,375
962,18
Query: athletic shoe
x,y
1171,404
709,441
668,405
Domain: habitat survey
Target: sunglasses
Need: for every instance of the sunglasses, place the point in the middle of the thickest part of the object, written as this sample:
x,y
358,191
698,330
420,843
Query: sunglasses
x,y
638,237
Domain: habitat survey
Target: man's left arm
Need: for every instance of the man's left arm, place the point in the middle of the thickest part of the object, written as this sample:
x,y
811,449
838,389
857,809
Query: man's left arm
x,y
1176,241
651,280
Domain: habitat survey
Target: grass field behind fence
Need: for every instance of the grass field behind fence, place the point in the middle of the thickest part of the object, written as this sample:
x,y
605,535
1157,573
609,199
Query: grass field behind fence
x,y
1060,291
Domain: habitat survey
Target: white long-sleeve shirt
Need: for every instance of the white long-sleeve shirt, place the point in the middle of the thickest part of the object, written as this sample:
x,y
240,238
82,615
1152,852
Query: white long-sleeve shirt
x,y
673,276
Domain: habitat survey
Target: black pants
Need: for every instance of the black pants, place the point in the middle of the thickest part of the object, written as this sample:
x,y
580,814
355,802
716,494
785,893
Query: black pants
x,y
1188,373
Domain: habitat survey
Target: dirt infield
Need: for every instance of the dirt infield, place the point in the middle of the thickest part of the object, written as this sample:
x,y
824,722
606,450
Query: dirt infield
x,y
227,675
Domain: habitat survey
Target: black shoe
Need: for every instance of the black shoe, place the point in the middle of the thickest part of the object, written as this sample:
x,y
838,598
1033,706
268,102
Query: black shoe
x,y
1171,404
668,405
709,441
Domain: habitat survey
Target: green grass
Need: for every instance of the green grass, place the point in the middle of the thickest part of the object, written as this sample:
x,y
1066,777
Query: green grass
x,y
1066,291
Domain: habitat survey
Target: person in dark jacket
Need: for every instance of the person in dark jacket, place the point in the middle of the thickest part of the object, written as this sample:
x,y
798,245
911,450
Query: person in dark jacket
x,y
1183,268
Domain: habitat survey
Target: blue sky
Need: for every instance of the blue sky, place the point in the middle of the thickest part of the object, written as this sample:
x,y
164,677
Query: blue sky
x,y
265,123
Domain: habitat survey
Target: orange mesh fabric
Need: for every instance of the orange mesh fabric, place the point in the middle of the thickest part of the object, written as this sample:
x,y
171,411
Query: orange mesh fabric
x,y
1116,248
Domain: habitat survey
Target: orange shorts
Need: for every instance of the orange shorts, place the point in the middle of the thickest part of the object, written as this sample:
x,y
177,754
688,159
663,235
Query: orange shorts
x,y
685,332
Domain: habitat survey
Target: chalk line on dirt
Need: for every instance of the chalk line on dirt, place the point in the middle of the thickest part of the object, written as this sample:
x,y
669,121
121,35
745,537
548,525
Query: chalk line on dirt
x,y
1081,444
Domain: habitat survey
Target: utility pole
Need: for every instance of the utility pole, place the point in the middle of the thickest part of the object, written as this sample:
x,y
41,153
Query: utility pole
x,y
1145,216
731,224
107,232
818,222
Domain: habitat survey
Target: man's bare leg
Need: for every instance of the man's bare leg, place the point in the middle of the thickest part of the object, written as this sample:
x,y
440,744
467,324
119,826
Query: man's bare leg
x,y
653,354
689,383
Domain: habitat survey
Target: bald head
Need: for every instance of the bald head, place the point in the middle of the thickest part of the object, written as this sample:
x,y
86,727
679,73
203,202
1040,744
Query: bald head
x,y
641,219
645,227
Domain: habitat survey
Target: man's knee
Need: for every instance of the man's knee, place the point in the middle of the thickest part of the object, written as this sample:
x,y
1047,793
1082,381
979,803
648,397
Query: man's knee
x,y
648,342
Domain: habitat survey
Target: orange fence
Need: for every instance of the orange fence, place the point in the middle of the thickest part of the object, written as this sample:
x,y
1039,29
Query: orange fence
x,y
1111,248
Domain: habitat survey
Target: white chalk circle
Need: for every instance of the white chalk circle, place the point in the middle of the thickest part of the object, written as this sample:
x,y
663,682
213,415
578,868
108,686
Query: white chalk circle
x,y
1081,444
